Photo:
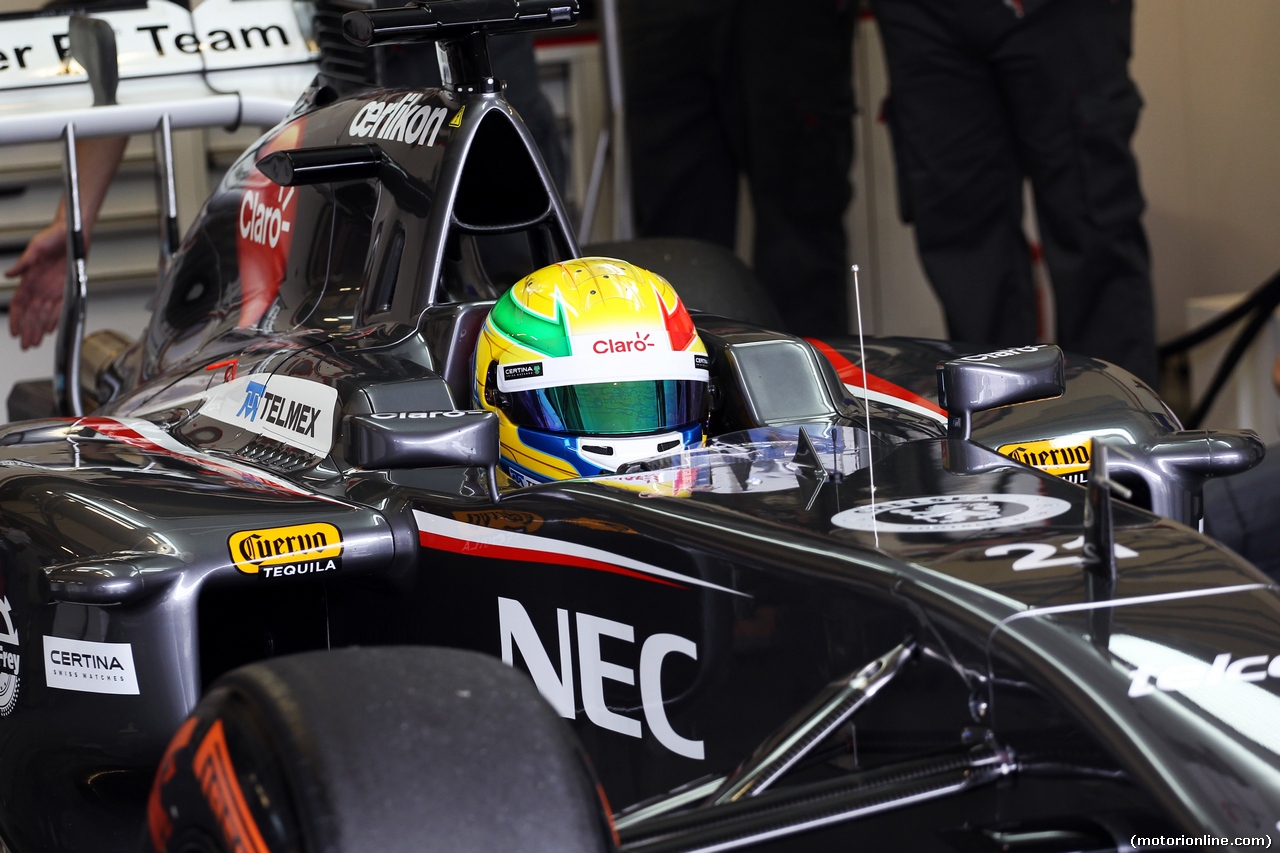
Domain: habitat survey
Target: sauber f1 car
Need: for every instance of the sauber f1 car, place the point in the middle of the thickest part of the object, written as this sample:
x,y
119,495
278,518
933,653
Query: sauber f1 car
x,y
259,580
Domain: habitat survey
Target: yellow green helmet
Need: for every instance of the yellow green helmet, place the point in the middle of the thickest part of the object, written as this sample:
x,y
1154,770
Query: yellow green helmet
x,y
590,364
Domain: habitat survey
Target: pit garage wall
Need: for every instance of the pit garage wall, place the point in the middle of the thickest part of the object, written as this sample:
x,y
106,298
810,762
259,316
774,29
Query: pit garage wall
x,y
125,251
1206,143
1210,76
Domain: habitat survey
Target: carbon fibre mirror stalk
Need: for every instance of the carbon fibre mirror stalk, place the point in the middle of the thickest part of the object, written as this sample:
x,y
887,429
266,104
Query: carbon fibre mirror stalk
x,y
1175,468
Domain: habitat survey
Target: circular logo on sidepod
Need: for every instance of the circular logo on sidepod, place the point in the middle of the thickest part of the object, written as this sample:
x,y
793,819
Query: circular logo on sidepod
x,y
9,660
940,513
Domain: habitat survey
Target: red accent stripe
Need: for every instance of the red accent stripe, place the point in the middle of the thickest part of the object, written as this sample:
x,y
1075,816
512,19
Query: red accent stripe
x,y
680,328
120,432
851,374
524,555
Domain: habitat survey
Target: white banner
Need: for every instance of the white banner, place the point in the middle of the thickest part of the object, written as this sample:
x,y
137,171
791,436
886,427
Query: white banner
x,y
161,39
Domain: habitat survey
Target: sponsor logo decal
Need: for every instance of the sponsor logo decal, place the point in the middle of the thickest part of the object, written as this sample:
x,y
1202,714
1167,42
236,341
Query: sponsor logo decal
x,y
556,681
293,415
1004,353
501,519
264,232
89,667
1044,555
414,416
942,513
677,482
600,524
701,362
10,660
399,120
212,766
640,344
263,219
521,371
277,552
296,411
1178,678
1067,458
252,397
521,479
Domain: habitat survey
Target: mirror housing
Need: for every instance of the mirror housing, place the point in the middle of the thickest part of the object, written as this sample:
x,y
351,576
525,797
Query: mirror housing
x,y
976,383
399,440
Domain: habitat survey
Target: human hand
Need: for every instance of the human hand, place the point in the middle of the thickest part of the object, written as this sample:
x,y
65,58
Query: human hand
x,y
42,272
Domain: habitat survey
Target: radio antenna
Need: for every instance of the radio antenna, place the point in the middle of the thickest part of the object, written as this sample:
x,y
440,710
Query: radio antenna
x,y
866,403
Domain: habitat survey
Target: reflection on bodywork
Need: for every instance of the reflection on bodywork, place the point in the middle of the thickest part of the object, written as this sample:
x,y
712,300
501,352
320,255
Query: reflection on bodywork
x,y
754,460
1227,687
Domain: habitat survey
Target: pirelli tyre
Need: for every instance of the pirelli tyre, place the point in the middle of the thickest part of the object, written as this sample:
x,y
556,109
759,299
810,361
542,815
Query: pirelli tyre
x,y
381,749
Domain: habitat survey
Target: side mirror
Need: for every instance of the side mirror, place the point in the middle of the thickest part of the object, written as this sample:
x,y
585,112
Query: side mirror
x,y
398,440
976,383
1176,466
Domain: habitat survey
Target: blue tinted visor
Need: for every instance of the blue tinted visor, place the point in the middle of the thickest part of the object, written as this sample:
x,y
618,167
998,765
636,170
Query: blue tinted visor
x,y
610,408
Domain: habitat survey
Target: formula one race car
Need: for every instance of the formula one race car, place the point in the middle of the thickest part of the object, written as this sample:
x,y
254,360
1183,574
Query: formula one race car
x,y
258,584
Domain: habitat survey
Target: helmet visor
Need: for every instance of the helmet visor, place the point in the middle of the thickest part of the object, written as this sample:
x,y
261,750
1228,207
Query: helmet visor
x,y
610,408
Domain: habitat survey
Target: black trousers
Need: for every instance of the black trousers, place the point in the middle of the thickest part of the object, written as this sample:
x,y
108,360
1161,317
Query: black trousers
x,y
980,99
718,88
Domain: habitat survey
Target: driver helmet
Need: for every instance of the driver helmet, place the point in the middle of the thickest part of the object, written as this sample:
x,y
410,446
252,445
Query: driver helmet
x,y
590,364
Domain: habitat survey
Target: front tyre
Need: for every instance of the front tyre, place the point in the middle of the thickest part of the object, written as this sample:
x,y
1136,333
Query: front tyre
x,y
381,749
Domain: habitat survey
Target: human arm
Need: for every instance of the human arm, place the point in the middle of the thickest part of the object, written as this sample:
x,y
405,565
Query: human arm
x,y
41,270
